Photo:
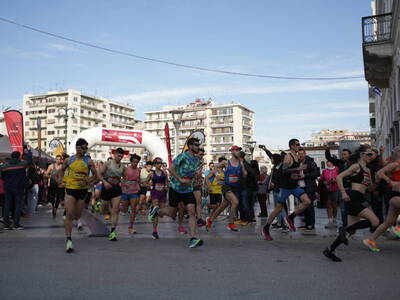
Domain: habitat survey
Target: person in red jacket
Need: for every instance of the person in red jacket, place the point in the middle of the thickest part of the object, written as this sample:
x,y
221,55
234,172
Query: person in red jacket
x,y
328,178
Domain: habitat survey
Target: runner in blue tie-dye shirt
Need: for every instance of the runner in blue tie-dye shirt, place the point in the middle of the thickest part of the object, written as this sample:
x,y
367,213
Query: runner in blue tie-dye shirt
x,y
182,172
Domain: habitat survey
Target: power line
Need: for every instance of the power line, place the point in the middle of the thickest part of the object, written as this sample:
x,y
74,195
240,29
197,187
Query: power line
x,y
170,62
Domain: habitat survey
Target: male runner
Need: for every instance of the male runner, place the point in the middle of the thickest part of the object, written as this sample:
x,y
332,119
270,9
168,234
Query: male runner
x,y
182,172
234,170
291,174
56,191
77,183
111,176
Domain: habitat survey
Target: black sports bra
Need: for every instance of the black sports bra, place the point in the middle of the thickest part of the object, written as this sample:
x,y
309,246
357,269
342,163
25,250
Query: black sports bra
x,y
362,177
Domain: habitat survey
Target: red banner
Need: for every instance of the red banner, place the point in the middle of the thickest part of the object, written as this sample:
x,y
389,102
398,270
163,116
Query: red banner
x,y
168,143
119,136
15,128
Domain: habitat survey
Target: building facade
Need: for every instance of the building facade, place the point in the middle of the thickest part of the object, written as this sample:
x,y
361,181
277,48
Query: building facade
x,y
334,137
61,115
223,125
381,51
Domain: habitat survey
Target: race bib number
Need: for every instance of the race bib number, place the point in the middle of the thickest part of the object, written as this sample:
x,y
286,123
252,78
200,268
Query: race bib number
x,y
159,187
233,178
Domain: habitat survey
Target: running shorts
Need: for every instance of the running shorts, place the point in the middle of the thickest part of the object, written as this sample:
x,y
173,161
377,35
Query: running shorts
x,y
175,198
285,193
113,192
77,194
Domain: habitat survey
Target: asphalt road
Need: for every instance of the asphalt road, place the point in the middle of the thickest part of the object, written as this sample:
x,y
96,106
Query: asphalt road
x,y
231,268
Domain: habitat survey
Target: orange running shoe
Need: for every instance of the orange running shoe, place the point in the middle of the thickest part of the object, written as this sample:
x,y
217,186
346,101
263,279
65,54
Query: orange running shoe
x,y
209,224
371,245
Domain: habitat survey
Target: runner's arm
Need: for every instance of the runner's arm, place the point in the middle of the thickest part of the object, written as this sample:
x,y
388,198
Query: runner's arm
x,y
92,179
287,162
382,172
348,172
60,173
337,162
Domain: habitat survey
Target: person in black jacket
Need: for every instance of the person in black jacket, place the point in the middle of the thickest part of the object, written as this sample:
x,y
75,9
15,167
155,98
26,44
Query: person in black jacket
x,y
342,164
376,196
307,181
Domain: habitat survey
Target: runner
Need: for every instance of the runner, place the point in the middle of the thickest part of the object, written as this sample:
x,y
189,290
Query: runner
x,y
215,181
111,175
77,183
182,172
198,187
144,186
289,181
130,189
360,178
234,170
159,189
394,208
56,191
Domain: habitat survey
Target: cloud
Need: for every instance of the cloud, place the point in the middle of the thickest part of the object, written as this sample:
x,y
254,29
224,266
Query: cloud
x,y
62,47
160,96
25,54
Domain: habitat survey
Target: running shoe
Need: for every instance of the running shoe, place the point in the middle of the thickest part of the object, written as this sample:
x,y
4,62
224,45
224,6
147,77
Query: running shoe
x,y
19,227
97,206
209,223
396,231
195,242
289,223
155,235
371,245
201,223
232,227
331,255
240,222
112,237
267,236
182,230
153,213
9,227
131,230
70,247
54,212
79,226
107,217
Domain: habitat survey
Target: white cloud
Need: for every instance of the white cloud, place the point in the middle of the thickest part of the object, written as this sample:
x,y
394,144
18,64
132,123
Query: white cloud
x,y
62,47
160,96
25,54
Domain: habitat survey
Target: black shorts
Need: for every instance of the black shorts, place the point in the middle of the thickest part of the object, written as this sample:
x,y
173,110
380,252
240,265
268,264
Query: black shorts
x,y
355,206
227,188
197,188
175,197
215,199
77,194
142,191
113,192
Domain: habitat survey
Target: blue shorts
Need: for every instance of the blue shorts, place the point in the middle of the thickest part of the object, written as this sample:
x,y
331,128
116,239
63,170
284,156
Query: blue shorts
x,y
285,193
127,197
98,187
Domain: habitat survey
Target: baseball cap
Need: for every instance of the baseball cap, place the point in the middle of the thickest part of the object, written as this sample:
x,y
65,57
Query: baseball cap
x,y
234,147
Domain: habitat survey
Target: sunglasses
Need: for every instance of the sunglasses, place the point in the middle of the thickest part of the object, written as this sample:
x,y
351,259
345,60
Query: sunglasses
x,y
368,153
297,144
158,162
197,145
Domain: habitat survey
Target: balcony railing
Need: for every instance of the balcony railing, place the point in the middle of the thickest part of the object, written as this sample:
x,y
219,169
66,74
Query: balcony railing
x,y
376,29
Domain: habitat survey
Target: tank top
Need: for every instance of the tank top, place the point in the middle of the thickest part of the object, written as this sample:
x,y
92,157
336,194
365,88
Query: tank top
x,y
362,177
159,181
287,181
395,176
232,175
130,184
113,173
78,172
216,182
144,175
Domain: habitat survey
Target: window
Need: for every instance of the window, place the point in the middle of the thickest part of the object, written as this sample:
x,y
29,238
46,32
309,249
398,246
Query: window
x,y
26,123
51,110
75,132
26,113
75,99
82,111
51,132
104,116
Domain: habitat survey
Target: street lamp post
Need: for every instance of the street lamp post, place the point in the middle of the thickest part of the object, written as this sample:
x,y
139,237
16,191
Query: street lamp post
x,y
251,145
177,120
63,113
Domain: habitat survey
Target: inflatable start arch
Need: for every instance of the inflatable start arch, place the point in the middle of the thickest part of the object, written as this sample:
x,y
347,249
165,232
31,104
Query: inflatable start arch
x,y
123,138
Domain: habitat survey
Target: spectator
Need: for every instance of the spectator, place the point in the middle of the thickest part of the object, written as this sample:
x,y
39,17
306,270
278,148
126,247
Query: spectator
x,y
14,175
32,190
328,178
308,182
262,193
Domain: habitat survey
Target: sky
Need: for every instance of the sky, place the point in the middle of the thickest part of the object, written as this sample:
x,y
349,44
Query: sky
x,y
309,38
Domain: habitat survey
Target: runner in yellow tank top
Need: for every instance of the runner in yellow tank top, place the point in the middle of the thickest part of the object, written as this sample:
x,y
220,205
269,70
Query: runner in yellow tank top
x,y
77,183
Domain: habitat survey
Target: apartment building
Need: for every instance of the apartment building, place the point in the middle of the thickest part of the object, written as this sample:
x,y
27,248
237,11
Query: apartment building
x,y
381,51
63,114
224,125
334,137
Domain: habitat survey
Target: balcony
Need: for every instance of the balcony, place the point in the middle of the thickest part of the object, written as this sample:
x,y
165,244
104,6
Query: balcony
x,y
378,49
217,125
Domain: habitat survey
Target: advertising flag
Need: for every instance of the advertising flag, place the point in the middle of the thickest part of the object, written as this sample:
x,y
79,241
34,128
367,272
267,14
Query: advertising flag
x,y
168,143
15,128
